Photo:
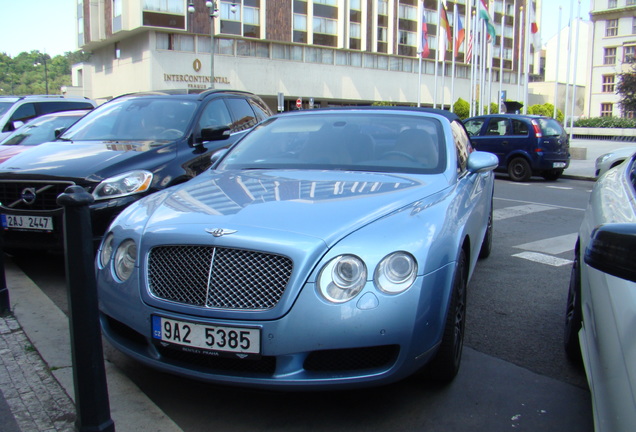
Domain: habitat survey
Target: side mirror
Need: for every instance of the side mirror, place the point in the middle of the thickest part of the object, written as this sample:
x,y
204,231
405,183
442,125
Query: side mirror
x,y
612,250
479,161
215,133
59,131
17,124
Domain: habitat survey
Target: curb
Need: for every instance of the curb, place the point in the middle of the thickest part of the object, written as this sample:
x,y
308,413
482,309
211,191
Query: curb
x,y
46,326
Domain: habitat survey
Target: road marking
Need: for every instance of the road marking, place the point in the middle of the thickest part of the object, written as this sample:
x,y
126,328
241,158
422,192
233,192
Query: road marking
x,y
543,259
552,246
542,204
510,212
560,187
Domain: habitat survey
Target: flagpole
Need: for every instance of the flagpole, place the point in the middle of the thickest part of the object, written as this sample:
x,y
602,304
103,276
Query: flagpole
x,y
472,40
420,52
519,56
527,58
437,52
484,52
567,69
501,51
556,79
576,55
490,62
455,18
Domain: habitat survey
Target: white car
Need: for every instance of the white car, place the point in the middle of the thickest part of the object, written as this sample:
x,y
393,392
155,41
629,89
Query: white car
x,y
600,324
612,159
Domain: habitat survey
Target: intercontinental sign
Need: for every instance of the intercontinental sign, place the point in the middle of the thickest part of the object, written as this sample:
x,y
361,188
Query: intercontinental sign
x,y
195,81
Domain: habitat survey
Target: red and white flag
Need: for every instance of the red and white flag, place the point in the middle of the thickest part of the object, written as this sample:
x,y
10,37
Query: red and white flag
x,y
535,36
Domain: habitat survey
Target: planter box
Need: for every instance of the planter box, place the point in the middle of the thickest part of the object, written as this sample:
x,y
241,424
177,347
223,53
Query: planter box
x,y
618,134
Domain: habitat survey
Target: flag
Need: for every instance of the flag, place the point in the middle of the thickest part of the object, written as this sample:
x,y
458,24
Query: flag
x,y
485,15
448,40
469,49
459,35
534,29
425,49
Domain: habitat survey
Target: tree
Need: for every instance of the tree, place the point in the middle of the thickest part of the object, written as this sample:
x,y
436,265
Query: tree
x,y
626,88
24,74
461,108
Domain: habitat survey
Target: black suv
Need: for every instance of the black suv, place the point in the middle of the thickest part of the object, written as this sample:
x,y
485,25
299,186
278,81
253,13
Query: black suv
x,y
125,149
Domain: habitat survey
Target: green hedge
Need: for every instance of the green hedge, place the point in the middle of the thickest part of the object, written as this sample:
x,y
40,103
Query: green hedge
x,y
606,122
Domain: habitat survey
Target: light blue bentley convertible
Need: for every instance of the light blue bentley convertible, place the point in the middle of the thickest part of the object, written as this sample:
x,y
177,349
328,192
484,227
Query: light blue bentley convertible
x,y
326,249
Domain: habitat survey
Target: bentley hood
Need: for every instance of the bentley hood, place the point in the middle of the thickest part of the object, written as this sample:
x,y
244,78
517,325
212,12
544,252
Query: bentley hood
x,y
319,204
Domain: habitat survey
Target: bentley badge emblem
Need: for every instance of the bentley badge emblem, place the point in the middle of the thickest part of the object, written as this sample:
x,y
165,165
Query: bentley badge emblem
x,y
218,232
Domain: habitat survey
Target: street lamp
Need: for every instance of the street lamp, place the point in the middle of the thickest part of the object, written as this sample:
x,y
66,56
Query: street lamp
x,y
46,73
214,13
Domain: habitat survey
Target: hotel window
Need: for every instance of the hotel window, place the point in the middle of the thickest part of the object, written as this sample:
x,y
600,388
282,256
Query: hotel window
x,y
117,26
227,13
325,26
355,5
407,12
611,4
629,54
327,2
634,25
609,56
355,30
168,6
300,21
80,23
606,109
611,27
630,3
383,7
608,84
175,42
382,34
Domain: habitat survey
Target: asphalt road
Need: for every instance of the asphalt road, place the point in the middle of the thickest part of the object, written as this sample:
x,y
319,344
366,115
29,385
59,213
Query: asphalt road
x,y
514,373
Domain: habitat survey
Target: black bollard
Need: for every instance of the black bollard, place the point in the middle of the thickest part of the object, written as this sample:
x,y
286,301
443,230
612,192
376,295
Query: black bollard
x,y
5,303
89,373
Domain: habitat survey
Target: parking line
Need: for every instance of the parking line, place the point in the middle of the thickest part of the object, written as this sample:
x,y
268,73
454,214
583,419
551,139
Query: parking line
x,y
552,246
510,212
543,259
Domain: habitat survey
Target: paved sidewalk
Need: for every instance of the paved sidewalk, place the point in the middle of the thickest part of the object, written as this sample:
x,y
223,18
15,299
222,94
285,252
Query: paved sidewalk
x,y
36,379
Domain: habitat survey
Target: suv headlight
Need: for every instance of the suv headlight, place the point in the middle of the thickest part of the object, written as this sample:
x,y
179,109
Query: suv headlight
x,y
124,184
342,278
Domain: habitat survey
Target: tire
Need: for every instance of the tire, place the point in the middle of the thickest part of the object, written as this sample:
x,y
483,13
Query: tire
x,y
486,245
552,175
519,169
445,365
573,315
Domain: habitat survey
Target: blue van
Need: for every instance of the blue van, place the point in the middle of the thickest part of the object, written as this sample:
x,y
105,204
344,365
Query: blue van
x,y
526,145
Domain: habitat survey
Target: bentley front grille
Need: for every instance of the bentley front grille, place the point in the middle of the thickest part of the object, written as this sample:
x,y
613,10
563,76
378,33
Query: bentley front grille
x,y
216,277
31,195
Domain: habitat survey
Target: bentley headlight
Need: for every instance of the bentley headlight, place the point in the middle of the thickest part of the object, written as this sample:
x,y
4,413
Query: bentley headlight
x,y
124,184
106,252
342,278
125,258
396,273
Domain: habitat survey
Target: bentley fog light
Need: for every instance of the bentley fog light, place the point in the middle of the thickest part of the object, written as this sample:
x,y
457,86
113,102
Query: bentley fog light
x,y
122,185
106,251
125,259
342,278
396,273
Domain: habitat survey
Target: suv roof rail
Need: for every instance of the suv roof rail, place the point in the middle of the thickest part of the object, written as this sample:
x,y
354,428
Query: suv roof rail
x,y
45,97
201,94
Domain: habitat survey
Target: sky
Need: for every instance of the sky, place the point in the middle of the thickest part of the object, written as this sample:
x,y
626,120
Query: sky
x,y
49,25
